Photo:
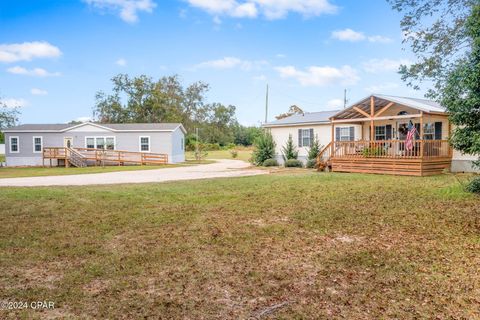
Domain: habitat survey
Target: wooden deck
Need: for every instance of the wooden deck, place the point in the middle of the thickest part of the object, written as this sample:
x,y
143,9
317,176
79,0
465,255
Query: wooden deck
x,y
426,157
80,157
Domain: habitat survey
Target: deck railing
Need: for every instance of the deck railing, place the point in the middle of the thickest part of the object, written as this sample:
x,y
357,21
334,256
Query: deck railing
x,y
392,149
99,156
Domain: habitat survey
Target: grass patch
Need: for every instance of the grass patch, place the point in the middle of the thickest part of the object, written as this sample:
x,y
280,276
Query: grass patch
x,y
304,246
9,172
2,158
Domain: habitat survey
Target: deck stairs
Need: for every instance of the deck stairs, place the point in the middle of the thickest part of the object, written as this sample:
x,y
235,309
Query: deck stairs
x,y
324,157
75,158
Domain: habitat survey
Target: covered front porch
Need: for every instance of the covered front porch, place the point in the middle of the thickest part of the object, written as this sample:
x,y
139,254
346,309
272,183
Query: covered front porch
x,y
370,137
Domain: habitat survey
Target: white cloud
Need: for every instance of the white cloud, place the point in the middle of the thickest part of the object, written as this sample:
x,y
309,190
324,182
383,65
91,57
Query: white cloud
x,y
379,39
127,9
384,65
334,103
83,119
13,102
378,88
38,92
348,35
356,36
27,51
261,78
280,56
230,63
121,62
37,72
320,76
271,9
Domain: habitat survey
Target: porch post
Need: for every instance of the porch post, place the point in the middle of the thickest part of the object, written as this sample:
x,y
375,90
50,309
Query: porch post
x,y
372,113
332,148
421,135
450,149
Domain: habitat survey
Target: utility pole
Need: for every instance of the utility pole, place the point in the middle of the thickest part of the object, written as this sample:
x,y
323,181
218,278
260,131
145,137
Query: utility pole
x,y
197,155
345,98
266,106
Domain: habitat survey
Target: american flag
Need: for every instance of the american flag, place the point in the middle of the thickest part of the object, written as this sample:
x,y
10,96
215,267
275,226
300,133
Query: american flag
x,y
410,135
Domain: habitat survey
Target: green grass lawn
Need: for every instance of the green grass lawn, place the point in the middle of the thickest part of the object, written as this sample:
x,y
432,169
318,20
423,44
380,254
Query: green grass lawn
x,y
243,154
301,246
8,172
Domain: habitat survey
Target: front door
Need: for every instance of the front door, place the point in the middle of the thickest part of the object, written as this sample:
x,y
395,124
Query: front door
x,y
67,142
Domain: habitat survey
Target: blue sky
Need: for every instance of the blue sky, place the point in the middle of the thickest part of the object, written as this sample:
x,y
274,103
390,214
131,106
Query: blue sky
x,y
54,55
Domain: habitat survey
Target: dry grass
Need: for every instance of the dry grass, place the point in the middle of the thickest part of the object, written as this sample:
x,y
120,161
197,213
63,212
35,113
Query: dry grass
x,y
332,246
243,153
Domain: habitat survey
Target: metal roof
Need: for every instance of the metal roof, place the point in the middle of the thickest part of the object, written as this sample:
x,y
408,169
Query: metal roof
x,y
61,127
307,117
382,100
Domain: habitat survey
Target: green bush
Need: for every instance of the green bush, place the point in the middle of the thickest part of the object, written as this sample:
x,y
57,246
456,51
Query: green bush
x,y
270,163
311,163
289,151
474,186
374,152
234,153
230,146
264,148
293,163
315,149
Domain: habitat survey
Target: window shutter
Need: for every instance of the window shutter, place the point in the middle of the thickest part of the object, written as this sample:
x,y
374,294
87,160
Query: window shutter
x,y
337,134
352,133
438,131
311,137
388,132
299,138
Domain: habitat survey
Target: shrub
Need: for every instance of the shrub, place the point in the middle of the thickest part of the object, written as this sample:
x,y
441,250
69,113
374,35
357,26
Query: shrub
x,y
312,163
293,163
373,152
234,153
289,151
474,185
270,163
314,150
264,148
230,146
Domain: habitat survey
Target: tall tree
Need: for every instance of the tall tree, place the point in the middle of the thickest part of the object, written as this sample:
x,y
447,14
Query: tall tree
x,y
436,33
461,94
8,117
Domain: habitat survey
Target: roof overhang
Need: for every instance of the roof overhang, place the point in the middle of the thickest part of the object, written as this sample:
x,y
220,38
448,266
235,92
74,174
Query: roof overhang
x,y
362,110
75,126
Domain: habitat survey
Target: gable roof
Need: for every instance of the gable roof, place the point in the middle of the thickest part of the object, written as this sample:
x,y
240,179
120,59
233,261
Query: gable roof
x,y
382,100
299,119
115,127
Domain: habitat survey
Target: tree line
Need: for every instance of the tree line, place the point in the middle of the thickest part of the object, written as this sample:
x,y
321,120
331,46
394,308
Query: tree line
x,y
142,99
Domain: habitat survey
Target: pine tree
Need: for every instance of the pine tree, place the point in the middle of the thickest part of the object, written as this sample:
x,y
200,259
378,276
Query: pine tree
x,y
289,150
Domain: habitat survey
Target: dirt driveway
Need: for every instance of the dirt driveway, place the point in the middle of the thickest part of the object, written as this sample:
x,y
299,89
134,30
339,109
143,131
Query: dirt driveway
x,y
219,169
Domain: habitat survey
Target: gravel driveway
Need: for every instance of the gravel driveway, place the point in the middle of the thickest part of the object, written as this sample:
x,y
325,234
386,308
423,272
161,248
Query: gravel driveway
x,y
219,169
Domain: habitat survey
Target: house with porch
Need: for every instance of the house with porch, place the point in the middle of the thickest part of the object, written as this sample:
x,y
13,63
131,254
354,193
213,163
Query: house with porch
x,y
370,137
92,143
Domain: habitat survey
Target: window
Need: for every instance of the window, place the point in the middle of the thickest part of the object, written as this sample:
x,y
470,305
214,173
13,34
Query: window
x,y
100,143
90,143
14,145
306,137
380,133
345,134
428,131
107,143
37,144
145,144
110,143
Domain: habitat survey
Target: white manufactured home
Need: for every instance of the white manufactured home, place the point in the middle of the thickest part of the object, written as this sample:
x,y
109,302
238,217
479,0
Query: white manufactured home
x,y
90,143
370,136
